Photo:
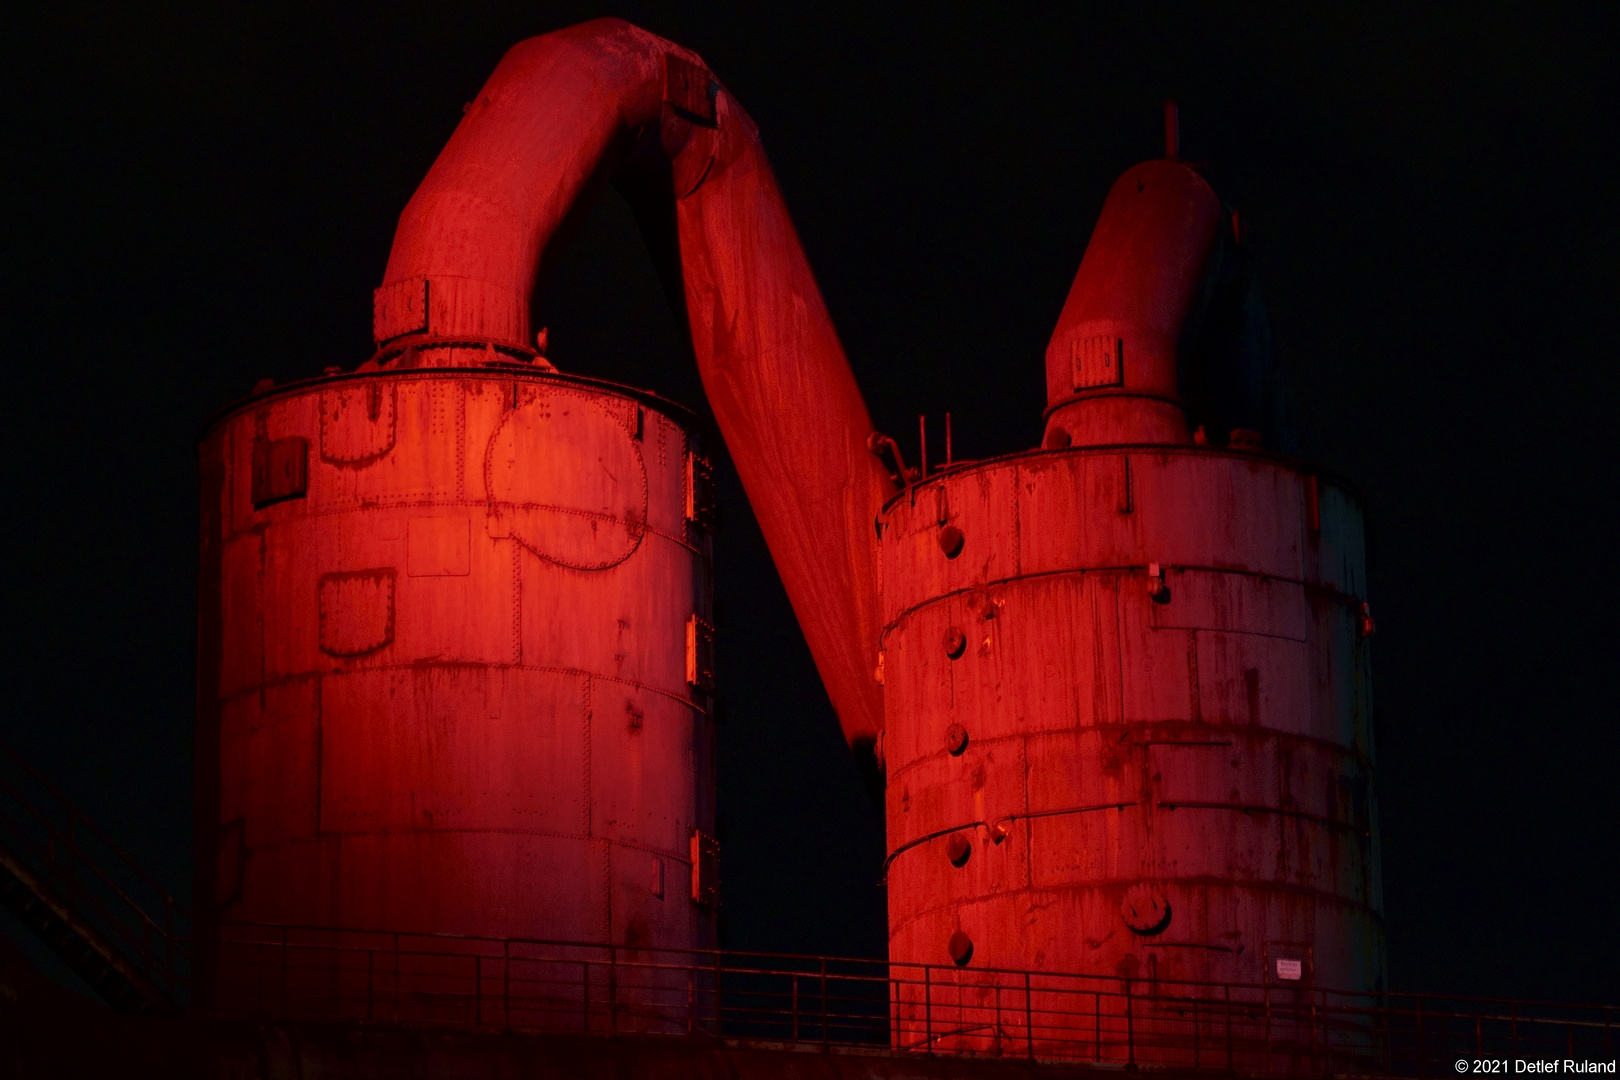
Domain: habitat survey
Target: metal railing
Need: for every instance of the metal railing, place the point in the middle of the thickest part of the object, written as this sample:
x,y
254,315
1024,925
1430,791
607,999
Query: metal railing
x,y
820,1001
521,984
77,868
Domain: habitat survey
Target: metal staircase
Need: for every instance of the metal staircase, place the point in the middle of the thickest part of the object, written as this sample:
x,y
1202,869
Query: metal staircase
x,y
88,901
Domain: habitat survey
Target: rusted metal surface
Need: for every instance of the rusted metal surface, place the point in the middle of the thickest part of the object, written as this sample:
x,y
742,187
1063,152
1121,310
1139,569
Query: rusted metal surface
x,y
1157,738
448,687
1119,686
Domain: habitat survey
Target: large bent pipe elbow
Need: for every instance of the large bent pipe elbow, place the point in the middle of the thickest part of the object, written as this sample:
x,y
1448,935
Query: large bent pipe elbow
x,y
560,114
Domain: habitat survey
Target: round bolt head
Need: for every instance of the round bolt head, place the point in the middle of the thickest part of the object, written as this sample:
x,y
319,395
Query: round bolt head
x,y
955,643
956,739
951,541
961,949
1145,909
959,849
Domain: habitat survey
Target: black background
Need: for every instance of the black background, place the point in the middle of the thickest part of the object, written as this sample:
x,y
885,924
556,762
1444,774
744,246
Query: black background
x,y
200,196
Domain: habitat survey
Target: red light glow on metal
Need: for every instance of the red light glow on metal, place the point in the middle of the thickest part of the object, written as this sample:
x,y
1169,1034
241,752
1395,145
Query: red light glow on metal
x,y
456,638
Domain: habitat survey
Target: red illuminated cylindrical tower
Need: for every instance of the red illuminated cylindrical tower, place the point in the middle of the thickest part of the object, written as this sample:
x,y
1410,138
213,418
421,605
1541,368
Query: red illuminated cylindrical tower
x,y
455,637
1127,725
456,670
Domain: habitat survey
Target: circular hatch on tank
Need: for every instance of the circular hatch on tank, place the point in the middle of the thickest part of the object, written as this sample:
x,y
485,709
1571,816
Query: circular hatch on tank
x,y
567,481
1145,909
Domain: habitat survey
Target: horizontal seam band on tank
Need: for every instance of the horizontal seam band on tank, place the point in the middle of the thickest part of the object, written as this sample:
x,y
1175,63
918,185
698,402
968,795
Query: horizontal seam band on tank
x,y
666,408
469,665
991,825
1327,590
1211,727
1255,808
316,837
1163,803
1099,392
1069,887
257,528
1016,460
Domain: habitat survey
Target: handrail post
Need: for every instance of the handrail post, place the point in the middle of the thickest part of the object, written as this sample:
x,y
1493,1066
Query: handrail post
x,y
1422,1067
506,984
719,1014
371,962
793,1000
1096,1025
1196,1032
613,989
1327,1036
478,990
1268,1027
1029,1020
284,998
897,1013
1313,1028
999,1051
1130,1026
585,995
824,1003
1227,989
397,994
928,1008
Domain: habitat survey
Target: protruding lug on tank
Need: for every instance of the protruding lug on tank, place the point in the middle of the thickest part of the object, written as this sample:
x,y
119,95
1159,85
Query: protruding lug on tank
x,y
1158,589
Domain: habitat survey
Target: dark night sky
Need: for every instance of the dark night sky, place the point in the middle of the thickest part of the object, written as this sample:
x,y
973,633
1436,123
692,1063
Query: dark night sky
x,y
199,197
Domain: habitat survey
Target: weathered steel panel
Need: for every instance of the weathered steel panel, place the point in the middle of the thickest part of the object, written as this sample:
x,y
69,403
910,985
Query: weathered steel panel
x,y
1162,700
451,683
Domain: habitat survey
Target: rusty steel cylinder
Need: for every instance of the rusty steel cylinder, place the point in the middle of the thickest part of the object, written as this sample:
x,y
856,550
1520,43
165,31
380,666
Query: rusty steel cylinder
x,y
456,663
1127,722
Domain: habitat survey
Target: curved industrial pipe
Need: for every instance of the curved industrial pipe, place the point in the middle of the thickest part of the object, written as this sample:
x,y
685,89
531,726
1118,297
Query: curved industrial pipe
x,y
1164,328
1112,367
560,114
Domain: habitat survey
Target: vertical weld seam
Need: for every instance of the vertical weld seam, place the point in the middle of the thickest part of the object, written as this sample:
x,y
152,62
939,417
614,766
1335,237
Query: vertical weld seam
x,y
461,441
1029,822
1278,776
517,603
1018,525
1118,630
1194,703
258,614
586,756
1099,653
320,738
